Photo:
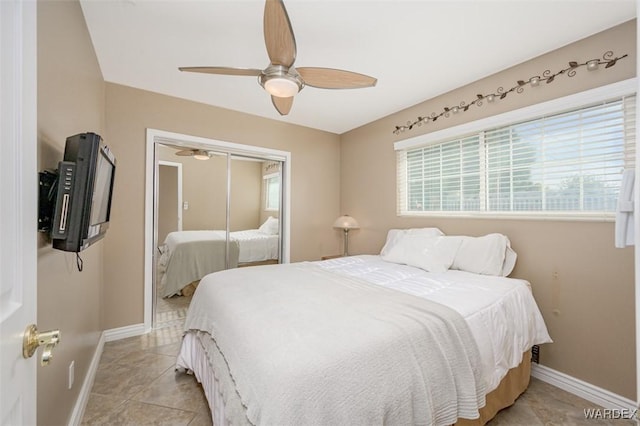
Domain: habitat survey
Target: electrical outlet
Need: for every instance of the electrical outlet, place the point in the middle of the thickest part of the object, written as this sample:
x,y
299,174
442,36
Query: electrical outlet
x,y
72,367
535,354
185,205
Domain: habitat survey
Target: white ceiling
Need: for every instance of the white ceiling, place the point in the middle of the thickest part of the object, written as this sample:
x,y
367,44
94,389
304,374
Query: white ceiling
x,y
416,49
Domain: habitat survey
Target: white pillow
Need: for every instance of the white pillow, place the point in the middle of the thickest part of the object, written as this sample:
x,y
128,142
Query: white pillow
x,y
482,255
431,253
509,260
270,226
395,235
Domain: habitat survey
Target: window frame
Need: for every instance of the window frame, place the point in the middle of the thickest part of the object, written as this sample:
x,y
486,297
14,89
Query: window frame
x,y
576,101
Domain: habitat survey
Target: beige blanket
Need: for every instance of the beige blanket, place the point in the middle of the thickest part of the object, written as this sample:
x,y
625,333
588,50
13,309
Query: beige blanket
x,y
307,346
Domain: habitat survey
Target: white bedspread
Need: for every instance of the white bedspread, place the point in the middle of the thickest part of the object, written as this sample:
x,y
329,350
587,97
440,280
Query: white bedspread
x,y
501,312
305,345
255,246
187,256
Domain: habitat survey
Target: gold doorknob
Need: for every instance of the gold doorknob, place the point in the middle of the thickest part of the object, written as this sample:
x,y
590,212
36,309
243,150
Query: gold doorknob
x,y
32,339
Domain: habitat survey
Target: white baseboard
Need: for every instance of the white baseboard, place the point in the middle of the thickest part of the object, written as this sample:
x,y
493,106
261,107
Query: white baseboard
x,y
124,332
87,384
584,390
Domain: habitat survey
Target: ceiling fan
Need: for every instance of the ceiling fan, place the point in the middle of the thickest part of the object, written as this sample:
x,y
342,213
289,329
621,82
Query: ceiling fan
x,y
280,79
198,154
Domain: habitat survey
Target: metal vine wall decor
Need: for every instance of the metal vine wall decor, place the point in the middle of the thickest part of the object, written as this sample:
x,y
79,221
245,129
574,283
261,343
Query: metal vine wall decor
x,y
608,60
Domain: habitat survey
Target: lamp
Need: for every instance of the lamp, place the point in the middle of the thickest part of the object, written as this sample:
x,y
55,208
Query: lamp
x,y
346,223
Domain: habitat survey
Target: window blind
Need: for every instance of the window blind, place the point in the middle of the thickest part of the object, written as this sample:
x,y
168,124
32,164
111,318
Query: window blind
x,y
272,191
564,163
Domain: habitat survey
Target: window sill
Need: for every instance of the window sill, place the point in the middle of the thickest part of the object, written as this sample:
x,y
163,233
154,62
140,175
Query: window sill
x,y
556,216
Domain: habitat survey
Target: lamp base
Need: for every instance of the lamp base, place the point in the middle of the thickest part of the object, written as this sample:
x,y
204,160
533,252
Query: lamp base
x,y
346,242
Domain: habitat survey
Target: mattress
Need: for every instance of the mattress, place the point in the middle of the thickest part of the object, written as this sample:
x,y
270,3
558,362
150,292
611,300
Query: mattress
x,y
500,312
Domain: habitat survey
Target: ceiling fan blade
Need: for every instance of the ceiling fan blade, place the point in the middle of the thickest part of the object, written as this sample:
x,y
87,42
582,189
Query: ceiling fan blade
x,y
223,70
278,34
185,153
283,105
329,78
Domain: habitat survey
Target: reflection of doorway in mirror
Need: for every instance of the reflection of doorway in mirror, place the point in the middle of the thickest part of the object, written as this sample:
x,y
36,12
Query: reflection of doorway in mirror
x,y
169,198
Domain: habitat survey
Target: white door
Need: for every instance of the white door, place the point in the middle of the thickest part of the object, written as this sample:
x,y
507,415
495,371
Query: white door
x,y
18,208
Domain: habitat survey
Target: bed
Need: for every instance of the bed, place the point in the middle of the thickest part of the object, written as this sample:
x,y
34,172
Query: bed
x,y
360,340
187,256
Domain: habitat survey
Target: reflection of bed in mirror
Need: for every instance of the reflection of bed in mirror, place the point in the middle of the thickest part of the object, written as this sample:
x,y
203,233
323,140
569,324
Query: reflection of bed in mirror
x,y
187,256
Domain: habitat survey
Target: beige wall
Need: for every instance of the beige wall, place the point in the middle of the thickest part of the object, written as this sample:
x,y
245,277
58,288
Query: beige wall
x,y
315,182
583,285
70,101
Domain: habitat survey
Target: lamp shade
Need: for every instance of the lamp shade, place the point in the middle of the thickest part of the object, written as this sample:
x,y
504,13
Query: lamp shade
x,y
346,222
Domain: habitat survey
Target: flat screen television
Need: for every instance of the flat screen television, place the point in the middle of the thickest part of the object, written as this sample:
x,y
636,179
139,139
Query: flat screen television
x,y
85,188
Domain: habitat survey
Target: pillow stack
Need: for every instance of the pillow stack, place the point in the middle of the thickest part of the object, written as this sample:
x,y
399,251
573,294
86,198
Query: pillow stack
x,y
431,250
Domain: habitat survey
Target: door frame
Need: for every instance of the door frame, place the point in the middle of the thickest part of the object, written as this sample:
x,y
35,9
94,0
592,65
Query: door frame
x,y
156,137
179,172
19,208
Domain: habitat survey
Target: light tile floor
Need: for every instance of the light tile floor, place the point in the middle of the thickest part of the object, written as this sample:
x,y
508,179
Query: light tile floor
x,y
136,385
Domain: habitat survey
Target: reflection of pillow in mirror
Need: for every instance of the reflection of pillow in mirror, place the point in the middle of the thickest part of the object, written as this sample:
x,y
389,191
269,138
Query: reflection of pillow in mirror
x,y
270,226
395,235
433,254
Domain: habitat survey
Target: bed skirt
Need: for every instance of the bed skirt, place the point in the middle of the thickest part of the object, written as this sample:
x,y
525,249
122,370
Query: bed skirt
x,y
510,388
194,355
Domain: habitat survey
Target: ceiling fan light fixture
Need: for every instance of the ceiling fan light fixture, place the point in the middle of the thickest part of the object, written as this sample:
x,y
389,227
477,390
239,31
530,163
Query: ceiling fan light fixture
x,y
280,79
281,87
201,155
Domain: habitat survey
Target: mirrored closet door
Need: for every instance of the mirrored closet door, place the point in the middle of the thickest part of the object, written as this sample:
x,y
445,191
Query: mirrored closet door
x,y
254,210
214,210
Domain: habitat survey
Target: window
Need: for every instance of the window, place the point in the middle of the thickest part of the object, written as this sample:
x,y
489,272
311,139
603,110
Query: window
x,y
272,191
567,164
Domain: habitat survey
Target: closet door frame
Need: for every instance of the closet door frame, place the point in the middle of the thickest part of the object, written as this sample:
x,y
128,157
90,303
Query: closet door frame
x,y
156,137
